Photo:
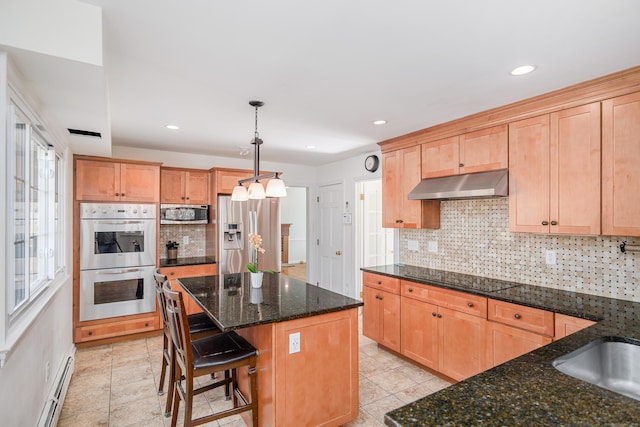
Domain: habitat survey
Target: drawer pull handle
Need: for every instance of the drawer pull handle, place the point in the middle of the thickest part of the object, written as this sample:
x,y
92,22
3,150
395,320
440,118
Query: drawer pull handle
x,y
172,273
439,315
433,314
545,223
517,316
410,289
461,165
117,194
146,324
554,222
379,282
469,304
90,333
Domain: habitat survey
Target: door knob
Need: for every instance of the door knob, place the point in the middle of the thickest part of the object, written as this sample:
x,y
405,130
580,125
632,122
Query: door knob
x,y
338,253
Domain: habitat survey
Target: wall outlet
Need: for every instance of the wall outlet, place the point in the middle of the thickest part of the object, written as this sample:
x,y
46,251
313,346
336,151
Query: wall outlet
x,y
412,245
433,247
294,343
550,257
185,240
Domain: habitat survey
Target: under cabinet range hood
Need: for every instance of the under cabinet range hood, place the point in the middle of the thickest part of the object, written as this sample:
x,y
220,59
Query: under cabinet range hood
x,y
481,185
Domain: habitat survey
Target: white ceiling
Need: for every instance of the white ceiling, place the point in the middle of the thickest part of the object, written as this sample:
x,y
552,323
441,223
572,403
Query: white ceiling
x,y
327,68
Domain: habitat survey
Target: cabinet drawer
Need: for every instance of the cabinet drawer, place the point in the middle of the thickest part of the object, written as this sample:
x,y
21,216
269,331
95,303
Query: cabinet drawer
x,y
189,271
567,325
115,329
459,301
528,318
381,282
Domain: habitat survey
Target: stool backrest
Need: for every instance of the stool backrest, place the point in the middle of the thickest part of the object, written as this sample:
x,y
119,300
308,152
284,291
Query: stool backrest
x,y
178,327
160,281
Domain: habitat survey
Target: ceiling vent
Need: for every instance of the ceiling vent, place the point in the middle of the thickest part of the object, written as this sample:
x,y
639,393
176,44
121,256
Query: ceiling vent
x,y
85,133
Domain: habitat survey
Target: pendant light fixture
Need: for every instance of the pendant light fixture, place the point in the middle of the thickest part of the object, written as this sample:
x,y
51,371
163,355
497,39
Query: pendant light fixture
x,y
275,187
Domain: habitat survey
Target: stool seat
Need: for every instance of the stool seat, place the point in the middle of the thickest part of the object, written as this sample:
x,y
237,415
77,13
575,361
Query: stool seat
x,y
222,349
200,322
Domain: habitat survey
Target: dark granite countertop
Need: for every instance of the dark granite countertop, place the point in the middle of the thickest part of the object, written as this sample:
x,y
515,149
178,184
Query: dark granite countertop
x,y
232,303
181,262
527,390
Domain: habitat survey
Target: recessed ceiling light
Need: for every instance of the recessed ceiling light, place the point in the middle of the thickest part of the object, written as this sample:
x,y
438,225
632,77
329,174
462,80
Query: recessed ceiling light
x,y
172,127
379,122
525,69
311,147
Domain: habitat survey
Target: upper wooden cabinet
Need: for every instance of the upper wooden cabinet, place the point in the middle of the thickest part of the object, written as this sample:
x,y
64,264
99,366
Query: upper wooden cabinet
x,y
400,174
184,186
620,161
113,181
554,172
479,151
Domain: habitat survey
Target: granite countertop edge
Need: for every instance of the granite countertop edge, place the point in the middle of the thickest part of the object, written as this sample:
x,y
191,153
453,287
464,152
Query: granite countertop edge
x,y
527,390
185,261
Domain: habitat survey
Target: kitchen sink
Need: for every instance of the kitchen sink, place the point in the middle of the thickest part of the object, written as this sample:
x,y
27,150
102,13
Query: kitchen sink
x,y
611,362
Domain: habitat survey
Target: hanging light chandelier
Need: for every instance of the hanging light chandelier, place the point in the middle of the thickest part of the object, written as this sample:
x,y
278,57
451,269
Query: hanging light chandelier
x,y
275,187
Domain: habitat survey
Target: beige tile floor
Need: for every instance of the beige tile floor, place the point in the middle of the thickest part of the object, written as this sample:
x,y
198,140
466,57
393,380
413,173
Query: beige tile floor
x,y
115,385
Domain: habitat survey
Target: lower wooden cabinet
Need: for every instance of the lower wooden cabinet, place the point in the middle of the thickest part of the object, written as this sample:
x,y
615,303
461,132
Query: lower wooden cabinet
x,y
449,341
381,317
567,325
179,272
506,342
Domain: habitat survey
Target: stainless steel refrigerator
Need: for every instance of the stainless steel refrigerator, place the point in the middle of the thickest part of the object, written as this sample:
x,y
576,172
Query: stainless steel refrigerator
x,y
235,221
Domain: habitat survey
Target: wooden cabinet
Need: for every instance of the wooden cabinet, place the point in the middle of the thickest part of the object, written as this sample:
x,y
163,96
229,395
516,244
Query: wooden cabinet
x,y
515,330
567,325
479,151
184,186
620,160
400,174
226,179
554,172
178,272
381,311
111,181
443,330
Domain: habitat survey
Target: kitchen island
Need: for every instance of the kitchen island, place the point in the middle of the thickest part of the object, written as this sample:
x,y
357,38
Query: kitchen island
x,y
313,384
527,390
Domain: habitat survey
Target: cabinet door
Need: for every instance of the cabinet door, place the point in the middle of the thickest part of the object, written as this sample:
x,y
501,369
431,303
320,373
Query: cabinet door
x,y
371,314
620,160
505,343
226,180
172,184
441,158
411,210
97,181
567,325
139,183
390,320
174,273
419,335
574,157
392,202
462,351
484,150
197,187
529,175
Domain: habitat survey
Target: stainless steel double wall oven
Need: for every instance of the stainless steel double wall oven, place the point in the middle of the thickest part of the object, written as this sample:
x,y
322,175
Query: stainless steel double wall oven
x,y
117,259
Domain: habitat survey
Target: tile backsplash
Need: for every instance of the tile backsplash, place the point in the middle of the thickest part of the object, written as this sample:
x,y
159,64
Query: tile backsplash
x,y
474,239
197,239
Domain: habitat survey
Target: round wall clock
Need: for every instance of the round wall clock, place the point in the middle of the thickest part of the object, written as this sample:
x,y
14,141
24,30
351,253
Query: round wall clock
x,y
371,163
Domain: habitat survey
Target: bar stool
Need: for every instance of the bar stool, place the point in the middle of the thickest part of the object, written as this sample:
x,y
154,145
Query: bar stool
x,y
200,325
222,352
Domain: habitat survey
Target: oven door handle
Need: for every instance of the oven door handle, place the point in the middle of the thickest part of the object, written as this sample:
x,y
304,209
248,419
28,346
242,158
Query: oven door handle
x,y
130,270
119,222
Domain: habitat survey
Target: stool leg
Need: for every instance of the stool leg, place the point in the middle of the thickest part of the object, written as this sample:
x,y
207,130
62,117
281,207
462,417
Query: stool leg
x,y
227,386
173,377
188,401
163,371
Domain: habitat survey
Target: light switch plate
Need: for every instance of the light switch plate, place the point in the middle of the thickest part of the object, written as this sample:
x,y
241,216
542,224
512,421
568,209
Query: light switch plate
x,y
185,240
550,257
433,246
412,245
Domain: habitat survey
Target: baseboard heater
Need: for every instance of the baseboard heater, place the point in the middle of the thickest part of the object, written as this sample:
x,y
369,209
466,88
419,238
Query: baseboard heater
x,y
53,407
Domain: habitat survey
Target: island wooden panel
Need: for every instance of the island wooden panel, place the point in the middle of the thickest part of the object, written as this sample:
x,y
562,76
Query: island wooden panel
x,y
317,386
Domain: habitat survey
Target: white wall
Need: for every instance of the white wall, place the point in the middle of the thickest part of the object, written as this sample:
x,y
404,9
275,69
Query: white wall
x,y
46,327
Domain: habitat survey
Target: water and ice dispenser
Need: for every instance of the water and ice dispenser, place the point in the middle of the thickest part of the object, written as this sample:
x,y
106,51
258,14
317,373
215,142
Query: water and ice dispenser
x,y
232,236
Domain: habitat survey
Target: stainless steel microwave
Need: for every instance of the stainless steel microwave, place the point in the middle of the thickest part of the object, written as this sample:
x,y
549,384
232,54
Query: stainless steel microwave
x,y
184,214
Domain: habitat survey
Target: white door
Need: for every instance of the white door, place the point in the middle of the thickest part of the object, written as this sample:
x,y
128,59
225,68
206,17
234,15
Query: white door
x,y
331,238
